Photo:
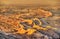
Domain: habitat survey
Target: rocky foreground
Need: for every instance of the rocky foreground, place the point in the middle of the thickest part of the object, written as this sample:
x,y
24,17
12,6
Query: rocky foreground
x,y
9,23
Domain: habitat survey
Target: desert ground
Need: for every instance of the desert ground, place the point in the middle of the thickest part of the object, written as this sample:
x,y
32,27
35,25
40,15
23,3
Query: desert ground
x,y
12,13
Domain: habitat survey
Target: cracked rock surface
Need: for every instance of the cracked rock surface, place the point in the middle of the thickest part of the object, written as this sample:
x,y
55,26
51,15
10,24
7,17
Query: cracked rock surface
x,y
6,28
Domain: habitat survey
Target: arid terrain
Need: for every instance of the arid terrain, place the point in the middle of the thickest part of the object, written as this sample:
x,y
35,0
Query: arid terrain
x,y
17,22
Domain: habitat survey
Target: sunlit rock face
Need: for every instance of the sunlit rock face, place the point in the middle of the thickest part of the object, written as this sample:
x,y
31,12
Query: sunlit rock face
x,y
25,19
17,24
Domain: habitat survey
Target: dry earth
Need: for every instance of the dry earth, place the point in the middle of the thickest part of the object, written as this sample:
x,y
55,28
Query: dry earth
x,y
13,13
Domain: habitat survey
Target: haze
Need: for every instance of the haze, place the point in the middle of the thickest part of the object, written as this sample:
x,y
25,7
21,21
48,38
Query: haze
x,y
35,2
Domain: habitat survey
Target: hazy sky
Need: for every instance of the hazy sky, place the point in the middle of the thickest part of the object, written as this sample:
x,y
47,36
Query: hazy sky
x,y
41,2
